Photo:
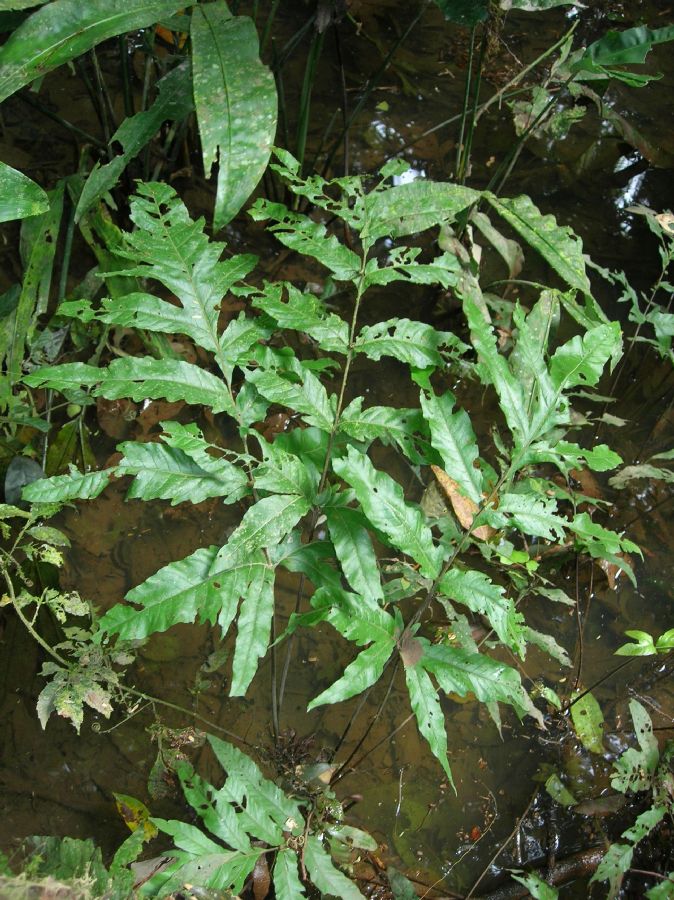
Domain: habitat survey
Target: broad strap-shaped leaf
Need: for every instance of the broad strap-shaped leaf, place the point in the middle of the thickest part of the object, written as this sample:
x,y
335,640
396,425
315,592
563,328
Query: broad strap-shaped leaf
x,y
39,239
494,369
557,244
325,876
581,360
411,342
413,207
144,378
287,884
355,552
174,102
65,29
235,98
170,247
453,437
19,196
428,713
253,628
305,313
384,505
301,391
167,473
399,427
73,486
620,48
308,238
476,591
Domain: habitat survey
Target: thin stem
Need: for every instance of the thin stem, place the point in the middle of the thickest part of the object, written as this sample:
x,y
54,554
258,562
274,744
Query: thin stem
x,y
473,118
28,98
266,34
350,723
107,119
385,740
464,109
372,83
305,98
123,46
502,847
498,97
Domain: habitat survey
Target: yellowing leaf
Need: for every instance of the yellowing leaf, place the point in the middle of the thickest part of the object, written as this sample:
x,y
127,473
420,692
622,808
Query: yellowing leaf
x,y
464,508
136,815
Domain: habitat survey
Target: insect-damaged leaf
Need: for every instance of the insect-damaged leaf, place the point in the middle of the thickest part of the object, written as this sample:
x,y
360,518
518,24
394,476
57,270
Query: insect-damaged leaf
x,y
235,97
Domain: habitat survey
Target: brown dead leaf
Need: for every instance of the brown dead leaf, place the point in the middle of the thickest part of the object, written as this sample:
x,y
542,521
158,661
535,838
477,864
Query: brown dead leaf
x,y
261,878
464,508
155,412
612,571
115,417
588,482
411,650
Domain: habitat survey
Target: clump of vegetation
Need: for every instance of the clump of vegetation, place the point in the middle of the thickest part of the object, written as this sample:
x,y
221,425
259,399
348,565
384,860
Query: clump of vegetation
x,y
371,559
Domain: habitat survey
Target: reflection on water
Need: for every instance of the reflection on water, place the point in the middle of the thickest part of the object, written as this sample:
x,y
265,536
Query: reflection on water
x,y
55,783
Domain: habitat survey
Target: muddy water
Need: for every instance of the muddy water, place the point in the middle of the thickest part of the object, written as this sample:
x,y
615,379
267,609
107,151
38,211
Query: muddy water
x,y
55,783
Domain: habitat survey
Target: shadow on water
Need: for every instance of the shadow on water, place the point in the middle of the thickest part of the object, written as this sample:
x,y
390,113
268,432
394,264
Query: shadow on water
x,y
56,783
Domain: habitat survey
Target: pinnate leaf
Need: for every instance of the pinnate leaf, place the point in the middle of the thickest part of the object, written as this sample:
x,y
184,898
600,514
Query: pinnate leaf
x,y
302,234
414,207
557,244
306,313
384,505
428,713
167,473
301,391
401,427
453,437
411,342
73,486
328,879
355,552
476,591
287,884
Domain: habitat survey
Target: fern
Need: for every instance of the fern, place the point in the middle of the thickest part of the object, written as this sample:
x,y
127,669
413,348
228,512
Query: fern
x,y
322,467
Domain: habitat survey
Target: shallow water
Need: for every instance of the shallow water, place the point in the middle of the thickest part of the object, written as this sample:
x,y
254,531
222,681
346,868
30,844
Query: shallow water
x,y
55,783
